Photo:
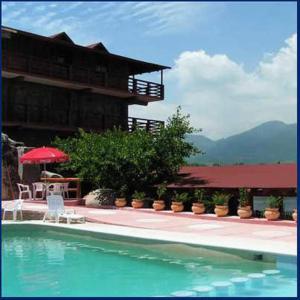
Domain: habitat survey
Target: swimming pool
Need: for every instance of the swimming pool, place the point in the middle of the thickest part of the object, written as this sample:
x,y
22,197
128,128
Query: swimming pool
x,y
47,261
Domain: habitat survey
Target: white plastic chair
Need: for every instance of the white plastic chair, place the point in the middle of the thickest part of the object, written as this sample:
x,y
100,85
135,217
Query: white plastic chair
x,y
66,189
39,187
14,207
23,190
55,189
57,210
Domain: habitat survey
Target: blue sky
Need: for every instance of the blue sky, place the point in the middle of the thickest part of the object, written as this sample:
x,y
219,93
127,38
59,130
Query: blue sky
x,y
246,35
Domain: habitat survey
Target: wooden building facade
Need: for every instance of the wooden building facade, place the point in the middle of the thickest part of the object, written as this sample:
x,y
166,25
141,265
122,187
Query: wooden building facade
x,y
51,86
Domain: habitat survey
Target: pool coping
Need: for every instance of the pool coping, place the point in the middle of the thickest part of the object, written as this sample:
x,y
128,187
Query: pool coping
x,y
275,248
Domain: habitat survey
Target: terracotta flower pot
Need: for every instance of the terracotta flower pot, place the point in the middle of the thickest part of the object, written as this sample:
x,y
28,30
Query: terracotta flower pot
x,y
120,202
177,206
137,203
198,208
272,214
295,215
221,210
158,204
244,212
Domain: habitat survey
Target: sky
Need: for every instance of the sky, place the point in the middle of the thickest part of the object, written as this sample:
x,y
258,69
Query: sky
x,y
233,64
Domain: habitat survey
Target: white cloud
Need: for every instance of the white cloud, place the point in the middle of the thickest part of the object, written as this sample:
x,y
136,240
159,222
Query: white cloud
x,y
223,98
157,17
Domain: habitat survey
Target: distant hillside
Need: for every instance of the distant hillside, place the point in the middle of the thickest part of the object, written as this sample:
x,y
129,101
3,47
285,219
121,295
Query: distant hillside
x,y
267,143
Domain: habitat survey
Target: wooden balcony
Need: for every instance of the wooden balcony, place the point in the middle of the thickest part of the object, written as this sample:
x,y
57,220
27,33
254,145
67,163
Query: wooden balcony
x,y
146,88
76,77
152,126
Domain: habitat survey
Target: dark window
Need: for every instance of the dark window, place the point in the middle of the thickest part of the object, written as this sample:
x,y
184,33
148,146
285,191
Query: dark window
x,y
101,69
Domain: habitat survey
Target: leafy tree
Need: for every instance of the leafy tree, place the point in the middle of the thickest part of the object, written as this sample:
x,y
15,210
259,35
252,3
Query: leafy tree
x,y
138,159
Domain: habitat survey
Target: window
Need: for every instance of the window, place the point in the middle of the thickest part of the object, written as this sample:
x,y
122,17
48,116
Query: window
x,y
101,69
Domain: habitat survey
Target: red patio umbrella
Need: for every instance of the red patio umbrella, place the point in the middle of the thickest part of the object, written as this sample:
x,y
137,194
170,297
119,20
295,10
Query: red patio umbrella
x,y
43,155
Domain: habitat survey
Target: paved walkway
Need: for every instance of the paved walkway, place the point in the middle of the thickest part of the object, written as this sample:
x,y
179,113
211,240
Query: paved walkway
x,y
223,232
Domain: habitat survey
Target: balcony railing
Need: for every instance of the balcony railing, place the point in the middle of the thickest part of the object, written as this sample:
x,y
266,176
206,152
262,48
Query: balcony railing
x,y
147,88
38,66
152,126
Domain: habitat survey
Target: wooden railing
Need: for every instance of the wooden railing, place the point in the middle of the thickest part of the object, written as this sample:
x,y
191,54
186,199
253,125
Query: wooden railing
x,y
147,88
152,126
52,69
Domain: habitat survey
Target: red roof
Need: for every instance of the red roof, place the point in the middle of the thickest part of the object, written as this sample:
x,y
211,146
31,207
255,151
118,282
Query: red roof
x,y
238,176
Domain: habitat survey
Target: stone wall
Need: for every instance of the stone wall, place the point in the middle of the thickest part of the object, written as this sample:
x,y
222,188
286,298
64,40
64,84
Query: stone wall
x,y
10,175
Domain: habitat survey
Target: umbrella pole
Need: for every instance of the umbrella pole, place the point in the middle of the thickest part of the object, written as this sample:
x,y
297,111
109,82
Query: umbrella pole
x,y
46,182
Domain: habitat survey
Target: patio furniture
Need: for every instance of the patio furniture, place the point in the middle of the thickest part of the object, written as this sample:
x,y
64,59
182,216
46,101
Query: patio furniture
x,y
76,189
39,188
23,190
57,210
14,207
66,189
55,189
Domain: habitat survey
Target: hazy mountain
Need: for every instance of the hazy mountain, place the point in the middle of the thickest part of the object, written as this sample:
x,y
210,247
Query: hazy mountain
x,y
269,142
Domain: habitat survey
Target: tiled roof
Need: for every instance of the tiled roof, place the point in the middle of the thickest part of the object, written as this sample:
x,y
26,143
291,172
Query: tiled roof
x,y
238,176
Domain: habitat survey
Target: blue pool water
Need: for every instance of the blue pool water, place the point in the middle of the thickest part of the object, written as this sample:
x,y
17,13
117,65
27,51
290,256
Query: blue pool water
x,y
44,261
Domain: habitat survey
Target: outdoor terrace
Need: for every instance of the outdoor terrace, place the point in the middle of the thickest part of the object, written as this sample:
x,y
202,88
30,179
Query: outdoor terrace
x,y
277,237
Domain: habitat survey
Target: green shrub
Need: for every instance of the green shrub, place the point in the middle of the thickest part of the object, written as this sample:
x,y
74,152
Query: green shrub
x,y
161,190
209,206
244,197
221,198
274,202
139,196
138,159
199,195
180,197
121,193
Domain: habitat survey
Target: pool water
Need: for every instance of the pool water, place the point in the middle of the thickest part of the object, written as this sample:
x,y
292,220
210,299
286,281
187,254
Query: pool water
x,y
45,261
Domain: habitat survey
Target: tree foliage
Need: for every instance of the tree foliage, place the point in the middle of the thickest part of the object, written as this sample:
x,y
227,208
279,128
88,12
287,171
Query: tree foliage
x,y
137,160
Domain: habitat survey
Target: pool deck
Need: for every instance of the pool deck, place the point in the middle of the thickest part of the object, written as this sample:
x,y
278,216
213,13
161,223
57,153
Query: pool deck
x,y
278,237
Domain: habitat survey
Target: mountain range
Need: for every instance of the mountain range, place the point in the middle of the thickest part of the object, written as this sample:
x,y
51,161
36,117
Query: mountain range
x,y
270,142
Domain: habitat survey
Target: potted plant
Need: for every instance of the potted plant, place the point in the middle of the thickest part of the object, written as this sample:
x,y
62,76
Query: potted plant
x,y
138,199
177,203
294,214
221,203
244,209
121,197
198,206
272,210
160,203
